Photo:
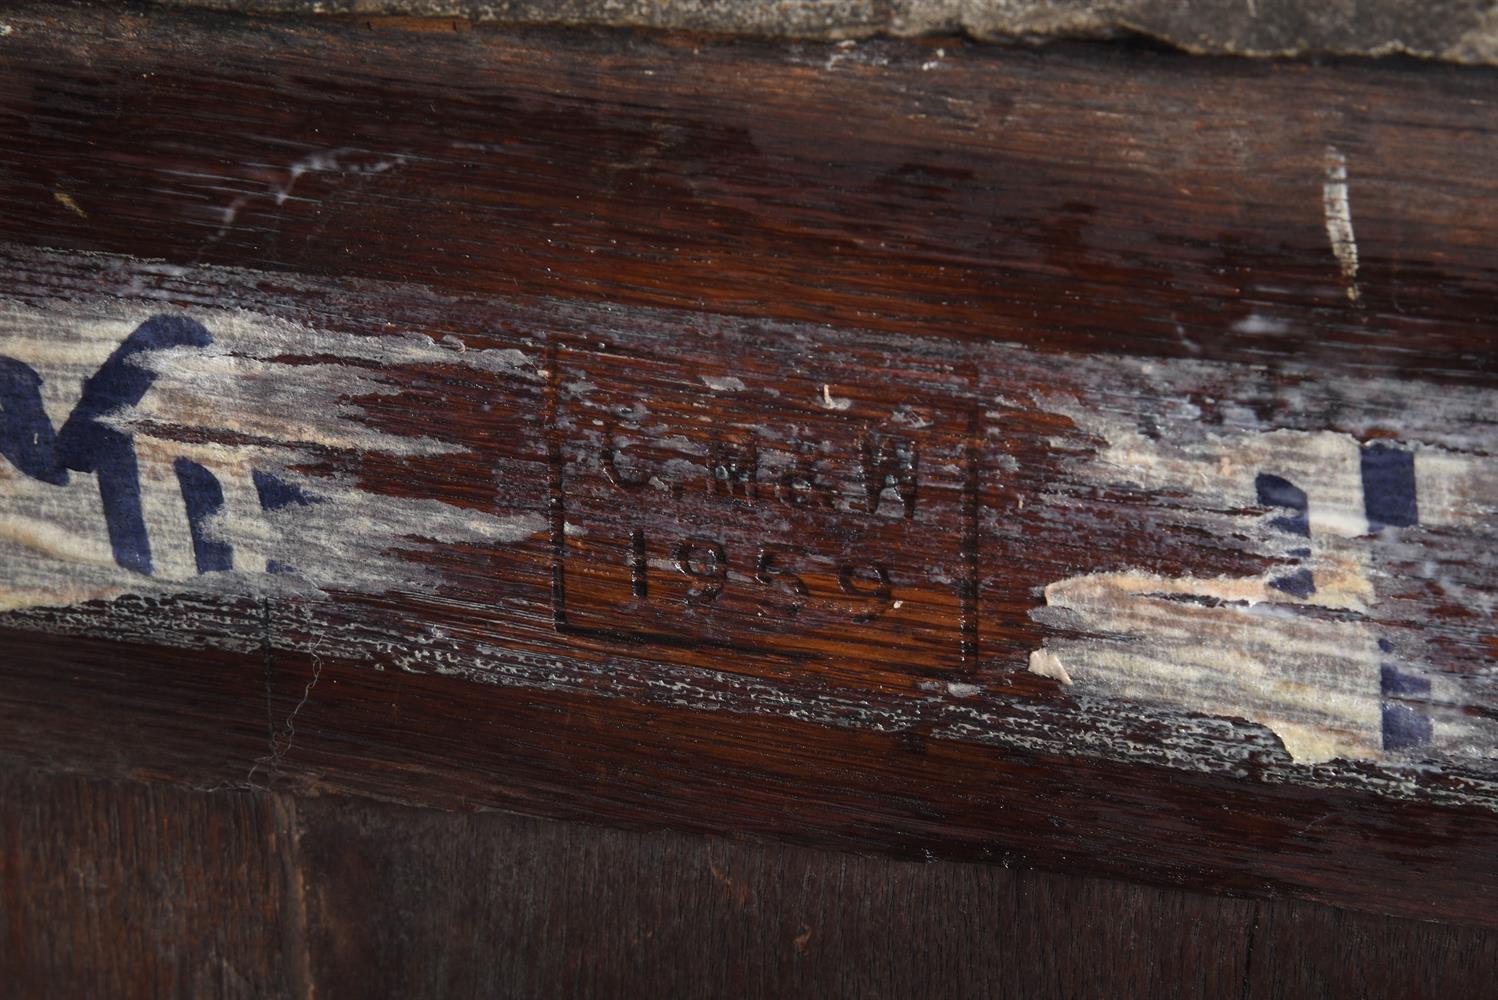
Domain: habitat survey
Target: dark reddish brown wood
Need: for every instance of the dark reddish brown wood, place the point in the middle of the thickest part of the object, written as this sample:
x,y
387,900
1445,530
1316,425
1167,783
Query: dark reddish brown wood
x,y
1066,198
146,890
1300,953
134,890
628,764
645,215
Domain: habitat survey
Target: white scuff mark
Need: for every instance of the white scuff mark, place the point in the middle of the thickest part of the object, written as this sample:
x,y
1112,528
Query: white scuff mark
x,y
49,540
728,383
842,50
209,389
1455,489
242,383
1339,219
346,160
249,404
916,417
933,63
1236,647
957,689
1218,464
1258,323
831,402
165,511
229,213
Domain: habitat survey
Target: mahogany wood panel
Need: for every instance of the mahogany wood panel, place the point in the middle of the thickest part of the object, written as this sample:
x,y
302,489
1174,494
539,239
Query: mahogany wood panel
x,y
808,441
136,890
1072,198
132,889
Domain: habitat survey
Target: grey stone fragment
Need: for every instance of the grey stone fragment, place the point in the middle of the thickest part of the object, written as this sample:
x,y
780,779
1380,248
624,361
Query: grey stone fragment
x,y
1463,31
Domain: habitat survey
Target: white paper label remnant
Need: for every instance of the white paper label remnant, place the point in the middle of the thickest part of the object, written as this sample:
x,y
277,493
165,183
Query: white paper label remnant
x,y
149,452
144,449
1305,649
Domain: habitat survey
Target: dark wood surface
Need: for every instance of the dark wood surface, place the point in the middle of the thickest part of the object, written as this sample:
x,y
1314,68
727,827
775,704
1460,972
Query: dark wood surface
x,y
135,890
993,245
127,889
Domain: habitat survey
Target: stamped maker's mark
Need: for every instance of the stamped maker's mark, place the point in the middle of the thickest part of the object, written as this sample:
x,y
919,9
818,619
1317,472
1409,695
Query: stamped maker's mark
x,y
776,576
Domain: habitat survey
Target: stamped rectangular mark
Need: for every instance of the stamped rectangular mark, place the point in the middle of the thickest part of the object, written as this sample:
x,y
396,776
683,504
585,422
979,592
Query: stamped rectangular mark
x,y
786,519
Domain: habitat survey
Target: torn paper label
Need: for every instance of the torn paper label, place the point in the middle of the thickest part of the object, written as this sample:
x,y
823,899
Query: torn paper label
x,y
150,451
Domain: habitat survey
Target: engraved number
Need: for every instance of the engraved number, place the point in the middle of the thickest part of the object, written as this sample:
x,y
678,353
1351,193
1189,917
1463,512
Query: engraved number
x,y
867,581
770,569
704,560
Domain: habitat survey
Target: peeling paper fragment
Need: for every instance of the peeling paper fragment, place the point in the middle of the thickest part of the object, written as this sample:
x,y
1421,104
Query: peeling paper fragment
x,y
261,382
1293,649
1314,682
1047,664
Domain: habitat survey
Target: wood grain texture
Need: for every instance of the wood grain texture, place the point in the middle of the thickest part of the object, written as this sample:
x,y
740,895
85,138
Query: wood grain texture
x,y
133,890
1301,953
938,449
548,908
1069,199
130,889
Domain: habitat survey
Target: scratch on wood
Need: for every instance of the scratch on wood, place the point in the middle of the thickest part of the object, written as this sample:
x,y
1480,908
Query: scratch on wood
x,y
1339,219
67,201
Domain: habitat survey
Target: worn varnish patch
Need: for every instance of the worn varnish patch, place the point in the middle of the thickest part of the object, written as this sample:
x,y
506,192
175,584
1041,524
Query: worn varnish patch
x,y
567,482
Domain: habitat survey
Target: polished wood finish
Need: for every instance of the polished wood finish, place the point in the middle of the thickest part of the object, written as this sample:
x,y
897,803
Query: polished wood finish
x,y
933,225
